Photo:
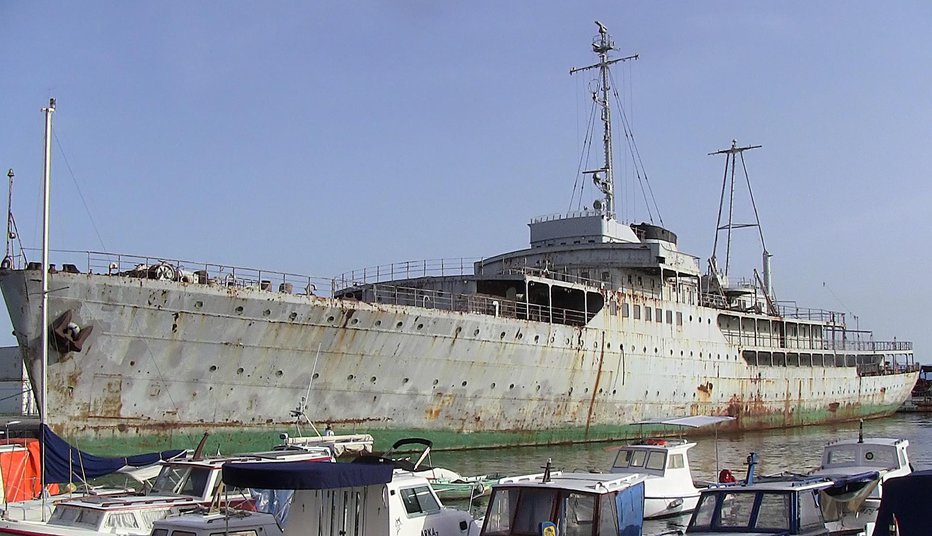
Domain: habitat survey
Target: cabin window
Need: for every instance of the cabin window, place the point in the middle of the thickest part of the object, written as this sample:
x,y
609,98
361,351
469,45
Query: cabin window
x,y
606,276
659,314
535,506
637,312
584,275
774,513
159,532
841,456
810,514
608,517
702,519
149,517
419,500
676,461
580,513
80,517
625,310
679,318
736,510
656,461
119,522
669,317
637,458
180,533
502,510
623,458
647,314
231,533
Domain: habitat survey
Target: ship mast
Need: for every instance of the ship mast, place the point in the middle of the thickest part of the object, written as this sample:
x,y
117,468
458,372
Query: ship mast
x,y
728,183
603,177
43,407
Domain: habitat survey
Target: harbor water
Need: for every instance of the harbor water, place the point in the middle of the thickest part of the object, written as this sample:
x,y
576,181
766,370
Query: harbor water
x,y
795,450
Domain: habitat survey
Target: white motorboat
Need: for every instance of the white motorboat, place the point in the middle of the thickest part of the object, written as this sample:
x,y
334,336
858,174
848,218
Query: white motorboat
x,y
592,504
668,489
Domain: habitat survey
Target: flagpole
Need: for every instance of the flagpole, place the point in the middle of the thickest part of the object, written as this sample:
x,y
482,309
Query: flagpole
x,y
43,403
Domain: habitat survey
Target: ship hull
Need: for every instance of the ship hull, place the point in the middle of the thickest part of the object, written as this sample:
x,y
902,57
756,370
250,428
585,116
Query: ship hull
x,y
167,361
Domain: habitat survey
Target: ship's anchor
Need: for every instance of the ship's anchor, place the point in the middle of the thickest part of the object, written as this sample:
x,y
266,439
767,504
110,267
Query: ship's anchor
x,y
68,336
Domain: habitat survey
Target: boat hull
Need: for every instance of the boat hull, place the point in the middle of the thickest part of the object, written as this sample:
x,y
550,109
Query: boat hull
x,y
167,360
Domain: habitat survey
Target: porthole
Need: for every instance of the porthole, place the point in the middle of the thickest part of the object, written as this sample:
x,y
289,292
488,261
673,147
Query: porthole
x,y
538,388
512,386
132,363
372,379
476,333
213,368
420,326
436,381
493,385
315,376
405,380
399,324
464,384
293,316
459,329
536,338
354,321
239,310
330,318
267,312
351,377
502,336
378,323
278,373
198,304
240,370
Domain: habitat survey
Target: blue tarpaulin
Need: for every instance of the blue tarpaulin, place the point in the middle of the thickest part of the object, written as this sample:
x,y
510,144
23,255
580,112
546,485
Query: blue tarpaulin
x,y
305,475
905,506
64,463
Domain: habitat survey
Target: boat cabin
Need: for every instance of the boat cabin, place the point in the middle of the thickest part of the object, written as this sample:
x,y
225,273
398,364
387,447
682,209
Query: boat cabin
x,y
238,523
669,488
112,515
887,455
579,504
373,499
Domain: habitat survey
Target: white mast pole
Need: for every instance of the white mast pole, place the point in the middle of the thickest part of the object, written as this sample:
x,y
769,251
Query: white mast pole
x,y
44,327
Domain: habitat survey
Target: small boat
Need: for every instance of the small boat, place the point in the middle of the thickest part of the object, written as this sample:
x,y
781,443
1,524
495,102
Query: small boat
x,y
888,456
668,489
411,454
592,504
181,486
785,504
369,497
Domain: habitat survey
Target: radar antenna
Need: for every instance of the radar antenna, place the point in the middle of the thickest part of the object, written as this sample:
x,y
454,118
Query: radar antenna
x,y
732,155
603,178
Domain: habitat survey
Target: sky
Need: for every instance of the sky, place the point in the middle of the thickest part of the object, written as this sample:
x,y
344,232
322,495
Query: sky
x,y
321,137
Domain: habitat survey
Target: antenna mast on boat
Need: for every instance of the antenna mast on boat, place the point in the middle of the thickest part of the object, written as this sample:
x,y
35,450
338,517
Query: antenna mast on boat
x,y
603,178
43,406
728,182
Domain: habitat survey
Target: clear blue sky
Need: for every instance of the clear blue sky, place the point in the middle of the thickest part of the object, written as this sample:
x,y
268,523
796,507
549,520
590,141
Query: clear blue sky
x,y
318,137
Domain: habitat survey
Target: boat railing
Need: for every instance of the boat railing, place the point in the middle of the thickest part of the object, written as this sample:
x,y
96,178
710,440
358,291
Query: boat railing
x,y
784,309
469,303
162,268
405,270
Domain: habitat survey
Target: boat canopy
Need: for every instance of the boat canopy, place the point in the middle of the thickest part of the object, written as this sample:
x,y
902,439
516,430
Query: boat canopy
x,y
902,505
694,421
305,475
65,463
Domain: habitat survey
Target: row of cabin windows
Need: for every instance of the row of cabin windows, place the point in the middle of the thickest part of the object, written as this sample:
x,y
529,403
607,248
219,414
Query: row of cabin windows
x,y
607,278
651,314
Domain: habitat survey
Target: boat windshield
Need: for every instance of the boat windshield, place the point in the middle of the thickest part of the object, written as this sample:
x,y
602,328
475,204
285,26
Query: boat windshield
x,y
519,511
75,516
181,480
730,511
880,456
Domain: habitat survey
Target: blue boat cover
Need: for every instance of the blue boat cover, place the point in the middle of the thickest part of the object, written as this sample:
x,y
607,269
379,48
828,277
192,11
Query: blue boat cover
x,y
64,463
305,475
905,505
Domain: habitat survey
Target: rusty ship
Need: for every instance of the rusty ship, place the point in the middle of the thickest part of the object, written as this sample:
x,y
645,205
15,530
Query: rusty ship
x,y
597,325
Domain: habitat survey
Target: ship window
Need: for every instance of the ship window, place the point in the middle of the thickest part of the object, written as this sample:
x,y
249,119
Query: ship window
x,y
655,460
647,313
580,513
637,459
625,310
659,315
774,512
679,319
669,317
419,500
584,275
606,276
637,312
675,461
